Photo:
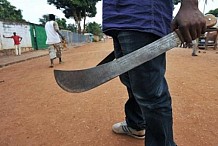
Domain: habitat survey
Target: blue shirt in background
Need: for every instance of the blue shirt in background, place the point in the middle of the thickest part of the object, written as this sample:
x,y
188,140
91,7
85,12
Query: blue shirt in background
x,y
152,16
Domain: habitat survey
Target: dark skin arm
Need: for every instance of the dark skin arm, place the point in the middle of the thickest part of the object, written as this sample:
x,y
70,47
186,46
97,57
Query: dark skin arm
x,y
20,38
6,37
62,37
57,30
190,21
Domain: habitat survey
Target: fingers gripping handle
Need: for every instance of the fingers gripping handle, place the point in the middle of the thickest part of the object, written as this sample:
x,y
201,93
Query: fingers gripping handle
x,y
189,45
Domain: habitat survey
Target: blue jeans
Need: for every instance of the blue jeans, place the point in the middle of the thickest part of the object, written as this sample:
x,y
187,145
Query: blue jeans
x,y
149,103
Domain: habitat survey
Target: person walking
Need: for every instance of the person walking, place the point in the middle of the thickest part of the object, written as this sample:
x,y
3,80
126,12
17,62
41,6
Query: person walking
x,y
17,39
53,39
132,25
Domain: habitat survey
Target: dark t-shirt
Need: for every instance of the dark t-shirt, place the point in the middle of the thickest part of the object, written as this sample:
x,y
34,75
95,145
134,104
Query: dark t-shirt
x,y
152,16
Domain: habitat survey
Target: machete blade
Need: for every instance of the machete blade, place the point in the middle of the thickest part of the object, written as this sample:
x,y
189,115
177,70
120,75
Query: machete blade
x,y
76,81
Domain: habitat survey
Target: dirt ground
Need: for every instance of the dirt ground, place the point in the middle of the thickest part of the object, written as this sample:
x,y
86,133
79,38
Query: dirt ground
x,y
35,111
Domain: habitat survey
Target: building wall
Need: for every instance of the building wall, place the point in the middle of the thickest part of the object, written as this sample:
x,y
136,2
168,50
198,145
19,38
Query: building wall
x,y
73,38
34,37
7,29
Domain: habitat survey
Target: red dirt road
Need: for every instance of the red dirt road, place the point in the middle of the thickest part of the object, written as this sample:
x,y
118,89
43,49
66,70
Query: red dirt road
x,y
35,111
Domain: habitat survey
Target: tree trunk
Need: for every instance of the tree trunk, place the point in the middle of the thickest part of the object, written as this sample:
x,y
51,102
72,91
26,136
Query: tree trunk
x,y
79,27
84,23
76,20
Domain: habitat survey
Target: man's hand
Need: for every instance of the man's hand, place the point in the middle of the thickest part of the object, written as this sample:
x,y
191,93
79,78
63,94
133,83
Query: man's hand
x,y
190,21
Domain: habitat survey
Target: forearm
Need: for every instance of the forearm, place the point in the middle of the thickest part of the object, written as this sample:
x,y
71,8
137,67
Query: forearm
x,y
57,29
59,33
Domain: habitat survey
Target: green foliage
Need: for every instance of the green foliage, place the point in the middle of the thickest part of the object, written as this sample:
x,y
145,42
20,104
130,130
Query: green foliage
x,y
94,28
43,20
214,12
76,9
61,23
9,12
72,27
175,2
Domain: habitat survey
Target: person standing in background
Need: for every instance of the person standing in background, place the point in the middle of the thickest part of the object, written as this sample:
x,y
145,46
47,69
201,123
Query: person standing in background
x,y
17,39
53,39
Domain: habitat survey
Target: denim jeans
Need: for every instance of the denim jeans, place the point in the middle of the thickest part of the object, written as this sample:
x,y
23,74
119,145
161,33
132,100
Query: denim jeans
x,y
149,103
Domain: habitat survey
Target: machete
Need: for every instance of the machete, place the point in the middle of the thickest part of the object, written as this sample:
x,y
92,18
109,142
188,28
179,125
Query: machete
x,y
210,22
76,81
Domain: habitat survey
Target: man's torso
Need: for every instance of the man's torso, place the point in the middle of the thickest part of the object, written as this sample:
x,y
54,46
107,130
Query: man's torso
x,y
16,39
52,35
142,15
